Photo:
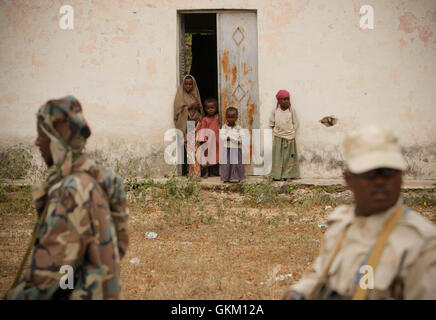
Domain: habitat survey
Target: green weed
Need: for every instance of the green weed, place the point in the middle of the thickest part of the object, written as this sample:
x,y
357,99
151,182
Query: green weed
x,y
182,189
263,192
291,187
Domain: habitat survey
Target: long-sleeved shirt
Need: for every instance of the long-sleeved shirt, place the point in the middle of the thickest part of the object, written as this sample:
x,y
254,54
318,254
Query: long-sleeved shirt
x,y
232,137
284,123
82,230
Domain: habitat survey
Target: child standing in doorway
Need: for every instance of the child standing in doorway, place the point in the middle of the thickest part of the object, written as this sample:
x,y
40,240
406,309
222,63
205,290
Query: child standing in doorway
x,y
284,123
187,107
231,136
210,121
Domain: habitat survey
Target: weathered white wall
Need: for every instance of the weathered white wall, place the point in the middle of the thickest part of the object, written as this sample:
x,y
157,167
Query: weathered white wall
x,y
120,61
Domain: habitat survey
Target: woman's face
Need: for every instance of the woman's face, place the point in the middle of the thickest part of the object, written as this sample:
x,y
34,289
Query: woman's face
x,y
188,84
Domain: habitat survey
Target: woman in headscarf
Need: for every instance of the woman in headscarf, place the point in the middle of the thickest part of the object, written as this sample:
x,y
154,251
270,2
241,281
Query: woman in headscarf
x,y
187,107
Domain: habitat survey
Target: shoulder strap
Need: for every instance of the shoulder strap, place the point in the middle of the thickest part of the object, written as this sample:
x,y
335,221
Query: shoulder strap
x,y
374,258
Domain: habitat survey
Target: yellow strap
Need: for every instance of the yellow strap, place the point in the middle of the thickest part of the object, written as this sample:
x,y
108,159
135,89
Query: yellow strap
x,y
374,258
315,292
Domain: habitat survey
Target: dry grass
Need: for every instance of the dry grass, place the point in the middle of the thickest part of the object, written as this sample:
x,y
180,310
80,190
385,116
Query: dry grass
x,y
210,245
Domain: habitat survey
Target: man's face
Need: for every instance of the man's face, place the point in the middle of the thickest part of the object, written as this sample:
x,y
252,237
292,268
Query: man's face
x,y
231,117
43,142
187,84
284,103
374,191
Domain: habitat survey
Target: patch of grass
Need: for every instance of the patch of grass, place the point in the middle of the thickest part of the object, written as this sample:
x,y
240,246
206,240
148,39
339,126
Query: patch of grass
x,y
291,187
180,213
181,189
2,190
208,247
16,199
323,189
15,161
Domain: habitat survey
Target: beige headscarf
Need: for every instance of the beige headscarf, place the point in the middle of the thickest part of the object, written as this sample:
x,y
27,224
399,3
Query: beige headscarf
x,y
182,101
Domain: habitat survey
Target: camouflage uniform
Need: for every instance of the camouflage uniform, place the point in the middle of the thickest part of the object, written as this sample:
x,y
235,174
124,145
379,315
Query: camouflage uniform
x,y
86,222
407,266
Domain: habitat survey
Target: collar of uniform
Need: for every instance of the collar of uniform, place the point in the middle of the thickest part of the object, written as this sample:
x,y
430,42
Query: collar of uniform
x,y
376,221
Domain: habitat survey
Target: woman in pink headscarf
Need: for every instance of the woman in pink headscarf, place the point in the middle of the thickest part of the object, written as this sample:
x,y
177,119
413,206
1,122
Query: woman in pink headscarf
x,y
284,123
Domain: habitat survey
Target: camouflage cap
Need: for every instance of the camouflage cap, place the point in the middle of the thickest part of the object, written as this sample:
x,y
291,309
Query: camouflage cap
x,y
372,147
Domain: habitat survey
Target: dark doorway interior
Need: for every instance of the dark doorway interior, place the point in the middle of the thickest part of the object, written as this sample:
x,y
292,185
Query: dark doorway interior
x,y
201,45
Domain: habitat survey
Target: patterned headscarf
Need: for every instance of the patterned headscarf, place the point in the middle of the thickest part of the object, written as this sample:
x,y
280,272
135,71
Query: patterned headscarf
x,y
283,94
63,152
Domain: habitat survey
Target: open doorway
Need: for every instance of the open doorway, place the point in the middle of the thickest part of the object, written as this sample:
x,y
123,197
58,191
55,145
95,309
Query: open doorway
x,y
219,48
200,52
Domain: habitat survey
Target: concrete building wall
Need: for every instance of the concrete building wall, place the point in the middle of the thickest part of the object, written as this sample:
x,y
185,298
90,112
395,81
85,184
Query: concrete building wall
x,y
120,61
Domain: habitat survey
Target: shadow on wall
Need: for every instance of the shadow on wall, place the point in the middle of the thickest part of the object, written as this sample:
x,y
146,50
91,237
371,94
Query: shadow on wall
x,y
421,161
129,164
320,163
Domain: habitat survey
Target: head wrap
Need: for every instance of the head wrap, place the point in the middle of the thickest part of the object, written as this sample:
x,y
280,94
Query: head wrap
x,y
283,94
66,146
182,101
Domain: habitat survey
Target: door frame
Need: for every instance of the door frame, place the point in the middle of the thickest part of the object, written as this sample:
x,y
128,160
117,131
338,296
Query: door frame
x,y
181,42
180,56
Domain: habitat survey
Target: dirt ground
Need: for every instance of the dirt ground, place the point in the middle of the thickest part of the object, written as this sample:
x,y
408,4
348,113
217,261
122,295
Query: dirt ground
x,y
210,244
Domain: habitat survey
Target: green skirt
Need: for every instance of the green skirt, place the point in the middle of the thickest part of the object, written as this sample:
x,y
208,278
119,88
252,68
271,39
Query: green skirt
x,y
284,159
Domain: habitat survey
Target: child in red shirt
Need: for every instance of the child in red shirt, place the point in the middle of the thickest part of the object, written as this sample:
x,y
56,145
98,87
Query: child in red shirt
x,y
210,121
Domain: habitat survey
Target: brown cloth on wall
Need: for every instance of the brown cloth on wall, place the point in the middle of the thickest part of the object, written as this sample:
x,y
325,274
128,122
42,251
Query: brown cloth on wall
x,y
182,101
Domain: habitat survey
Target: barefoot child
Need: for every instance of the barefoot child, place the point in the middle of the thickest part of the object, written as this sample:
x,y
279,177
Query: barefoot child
x,y
187,107
284,123
210,121
231,167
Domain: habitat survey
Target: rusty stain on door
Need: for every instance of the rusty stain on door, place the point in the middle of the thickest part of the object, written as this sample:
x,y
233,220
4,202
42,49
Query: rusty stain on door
x,y
237,72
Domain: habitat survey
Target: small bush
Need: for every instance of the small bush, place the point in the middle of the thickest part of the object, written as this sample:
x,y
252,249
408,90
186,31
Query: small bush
x,y
15,161
260,192
181,189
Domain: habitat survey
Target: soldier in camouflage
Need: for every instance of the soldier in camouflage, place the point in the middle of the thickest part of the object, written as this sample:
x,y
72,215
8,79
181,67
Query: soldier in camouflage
x,y
376,248
85,210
